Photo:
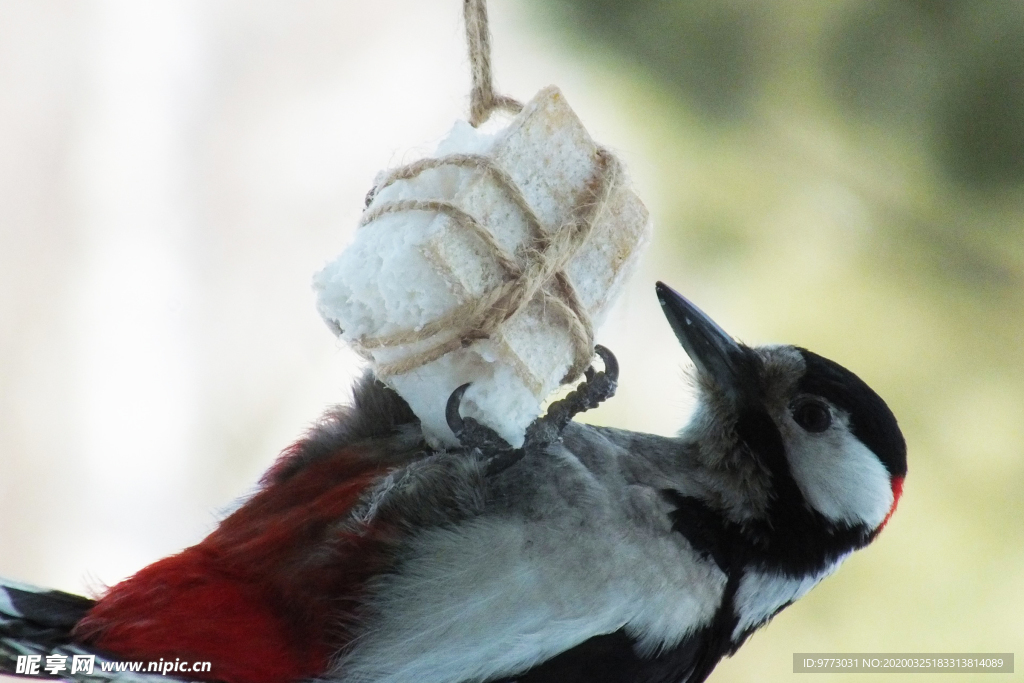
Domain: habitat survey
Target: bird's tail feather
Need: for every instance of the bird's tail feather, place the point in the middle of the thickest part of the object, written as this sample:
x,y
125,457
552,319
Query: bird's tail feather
x,y
36,623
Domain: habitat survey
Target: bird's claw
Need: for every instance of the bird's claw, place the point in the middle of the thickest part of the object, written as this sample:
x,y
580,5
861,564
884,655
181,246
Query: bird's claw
x,y
451,411
596,388
473,435
611,367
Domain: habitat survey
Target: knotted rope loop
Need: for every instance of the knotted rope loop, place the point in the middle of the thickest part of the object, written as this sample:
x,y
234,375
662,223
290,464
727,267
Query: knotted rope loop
x,y
482,98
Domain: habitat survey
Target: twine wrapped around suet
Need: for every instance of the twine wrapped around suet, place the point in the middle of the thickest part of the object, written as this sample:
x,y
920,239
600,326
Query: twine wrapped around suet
x,y
540,273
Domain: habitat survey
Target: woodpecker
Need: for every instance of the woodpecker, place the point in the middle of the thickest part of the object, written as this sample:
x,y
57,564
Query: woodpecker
x,y
589,555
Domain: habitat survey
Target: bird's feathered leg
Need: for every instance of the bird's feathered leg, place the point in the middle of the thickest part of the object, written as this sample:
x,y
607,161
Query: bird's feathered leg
x,y
596,388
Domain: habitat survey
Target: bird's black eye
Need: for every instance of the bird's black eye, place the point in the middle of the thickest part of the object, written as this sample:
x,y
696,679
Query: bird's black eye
x,y
812,415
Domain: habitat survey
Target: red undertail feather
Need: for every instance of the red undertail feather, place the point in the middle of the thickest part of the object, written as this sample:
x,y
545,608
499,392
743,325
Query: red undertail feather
x,y
263,597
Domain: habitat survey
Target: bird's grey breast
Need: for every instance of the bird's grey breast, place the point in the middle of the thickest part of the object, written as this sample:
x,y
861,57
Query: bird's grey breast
x,y
570,543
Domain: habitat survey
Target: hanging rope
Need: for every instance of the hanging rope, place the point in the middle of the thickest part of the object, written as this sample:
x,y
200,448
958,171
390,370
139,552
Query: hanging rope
x,y
482,98
539,268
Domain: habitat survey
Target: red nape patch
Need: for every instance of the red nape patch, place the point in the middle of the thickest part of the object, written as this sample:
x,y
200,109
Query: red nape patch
x,y
897,492
260,597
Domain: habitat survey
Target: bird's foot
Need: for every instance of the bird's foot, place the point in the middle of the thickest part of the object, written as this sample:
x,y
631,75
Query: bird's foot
x,y
596,388
499,455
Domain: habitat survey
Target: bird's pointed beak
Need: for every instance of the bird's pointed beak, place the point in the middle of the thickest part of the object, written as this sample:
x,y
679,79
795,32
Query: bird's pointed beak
x,y
717,355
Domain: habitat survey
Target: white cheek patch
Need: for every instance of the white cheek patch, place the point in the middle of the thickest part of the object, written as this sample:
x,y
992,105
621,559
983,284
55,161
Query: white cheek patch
x,y
839,476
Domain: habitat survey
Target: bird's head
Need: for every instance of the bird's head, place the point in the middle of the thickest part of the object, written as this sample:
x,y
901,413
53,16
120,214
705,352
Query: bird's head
x,y
803,434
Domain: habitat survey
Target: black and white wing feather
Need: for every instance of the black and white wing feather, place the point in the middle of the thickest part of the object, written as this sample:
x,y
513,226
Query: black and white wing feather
x,y
36,622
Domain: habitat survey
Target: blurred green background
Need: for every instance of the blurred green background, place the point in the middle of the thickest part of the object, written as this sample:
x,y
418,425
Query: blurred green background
x,y
849,176
846,176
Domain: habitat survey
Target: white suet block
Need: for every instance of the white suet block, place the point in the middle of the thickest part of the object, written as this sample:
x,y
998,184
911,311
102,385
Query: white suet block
x,y
407,269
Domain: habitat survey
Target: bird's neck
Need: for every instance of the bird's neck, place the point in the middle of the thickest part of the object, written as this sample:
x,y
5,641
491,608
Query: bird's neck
x,y
760,509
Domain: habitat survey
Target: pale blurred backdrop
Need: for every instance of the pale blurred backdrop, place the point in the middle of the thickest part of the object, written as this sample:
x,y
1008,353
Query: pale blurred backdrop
x,y
847,176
